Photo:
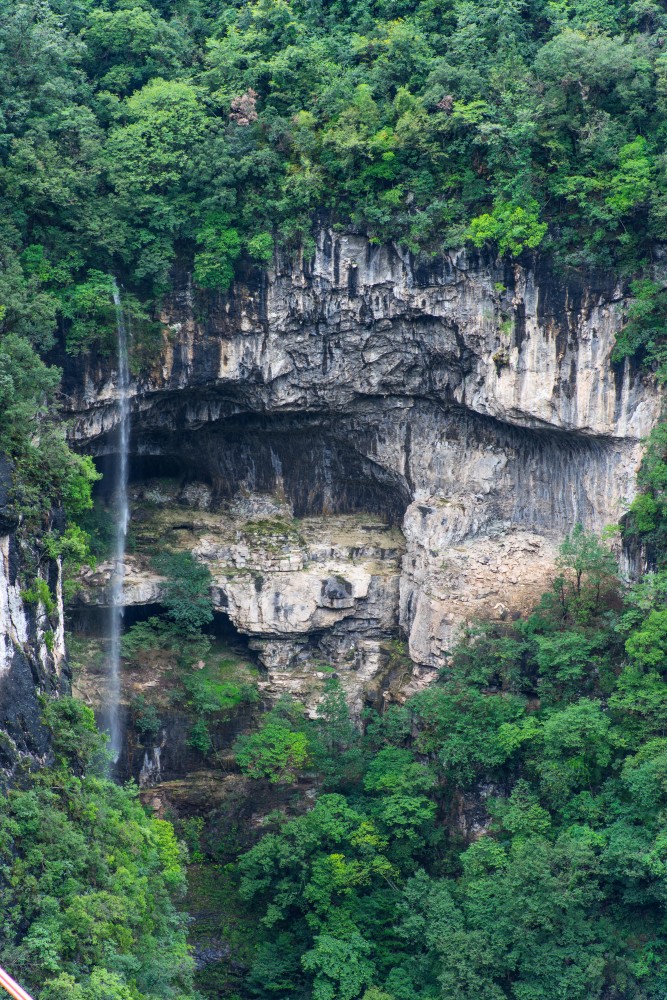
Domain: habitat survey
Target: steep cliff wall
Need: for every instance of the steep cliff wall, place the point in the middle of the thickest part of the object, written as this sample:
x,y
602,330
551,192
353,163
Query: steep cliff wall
x,y
473,404
32,647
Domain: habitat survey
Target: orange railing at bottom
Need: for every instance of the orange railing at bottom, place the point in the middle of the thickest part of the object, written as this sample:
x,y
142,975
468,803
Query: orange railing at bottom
x,y
13,988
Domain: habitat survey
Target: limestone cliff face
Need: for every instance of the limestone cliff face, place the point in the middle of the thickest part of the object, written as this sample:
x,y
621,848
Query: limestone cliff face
x,y
472,403
32,645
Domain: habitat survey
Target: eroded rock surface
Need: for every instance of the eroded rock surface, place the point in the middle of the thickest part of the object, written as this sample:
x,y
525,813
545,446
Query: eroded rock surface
x,y
32,656
474,404
313,594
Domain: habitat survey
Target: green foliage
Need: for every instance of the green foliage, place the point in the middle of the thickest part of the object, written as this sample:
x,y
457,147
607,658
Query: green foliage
x,y
143,636
333,739
90,308
630,185
212,694
98,524
275,751
145,718
260,247
340,966
646,521
126,47
647,646
644,334
210,687
46,472
149,162
191,830
550,733
77,743
464,729
39,593
138,135
186,591
27,388
209,693
589,574
78,477
511,227
88,881
200,737
102,985
149,131
221,246
515,925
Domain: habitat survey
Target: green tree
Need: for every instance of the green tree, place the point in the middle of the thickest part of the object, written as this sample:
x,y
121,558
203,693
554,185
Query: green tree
x,y
588,571
186,591
126,48
99,921
221,247
275,751
512,227
341,967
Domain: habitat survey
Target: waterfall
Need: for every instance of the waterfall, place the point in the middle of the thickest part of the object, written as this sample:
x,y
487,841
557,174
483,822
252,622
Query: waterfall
x,y
122,513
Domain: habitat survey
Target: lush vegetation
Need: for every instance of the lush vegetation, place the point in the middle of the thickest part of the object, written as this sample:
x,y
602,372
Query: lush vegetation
x,y
135,131
88,882
210,687
138,133
499,836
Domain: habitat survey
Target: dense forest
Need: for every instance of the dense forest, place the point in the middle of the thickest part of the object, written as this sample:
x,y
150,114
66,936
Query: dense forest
x,y
140,134
136,134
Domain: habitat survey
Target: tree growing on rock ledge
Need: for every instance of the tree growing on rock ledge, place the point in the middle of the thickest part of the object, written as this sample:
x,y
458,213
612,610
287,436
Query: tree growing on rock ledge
x,y
279,750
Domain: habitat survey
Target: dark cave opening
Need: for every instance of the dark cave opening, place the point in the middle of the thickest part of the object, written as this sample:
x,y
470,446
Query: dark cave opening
x,y
91,621
315,461
141,468
337,463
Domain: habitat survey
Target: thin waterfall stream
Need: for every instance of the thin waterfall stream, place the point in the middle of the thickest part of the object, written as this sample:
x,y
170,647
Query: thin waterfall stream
x,y
122,514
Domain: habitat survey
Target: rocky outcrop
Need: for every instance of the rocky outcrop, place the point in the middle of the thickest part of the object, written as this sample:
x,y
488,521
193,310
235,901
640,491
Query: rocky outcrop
x,y
311,594
473,403
32,654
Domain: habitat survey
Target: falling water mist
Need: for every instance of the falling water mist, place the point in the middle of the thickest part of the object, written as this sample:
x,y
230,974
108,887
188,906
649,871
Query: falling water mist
x,y
122,515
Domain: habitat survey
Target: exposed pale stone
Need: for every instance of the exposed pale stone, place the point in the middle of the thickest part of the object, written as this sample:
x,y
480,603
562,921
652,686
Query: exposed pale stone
x,y
474,400
319,590
13,620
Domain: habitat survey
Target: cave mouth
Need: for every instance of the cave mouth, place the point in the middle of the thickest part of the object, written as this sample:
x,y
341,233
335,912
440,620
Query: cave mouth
x,y
317,462
223,630
141,468
360,461
91,621
154,681
88,621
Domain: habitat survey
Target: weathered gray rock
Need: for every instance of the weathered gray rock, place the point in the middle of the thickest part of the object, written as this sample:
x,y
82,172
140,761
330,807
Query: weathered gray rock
x,y
474,403
32,659
312,595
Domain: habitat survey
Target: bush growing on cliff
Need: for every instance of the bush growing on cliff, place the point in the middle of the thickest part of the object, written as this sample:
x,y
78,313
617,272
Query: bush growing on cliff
x,y
275,751
45,472
646,521
511,227
145,718
186,591
185,595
